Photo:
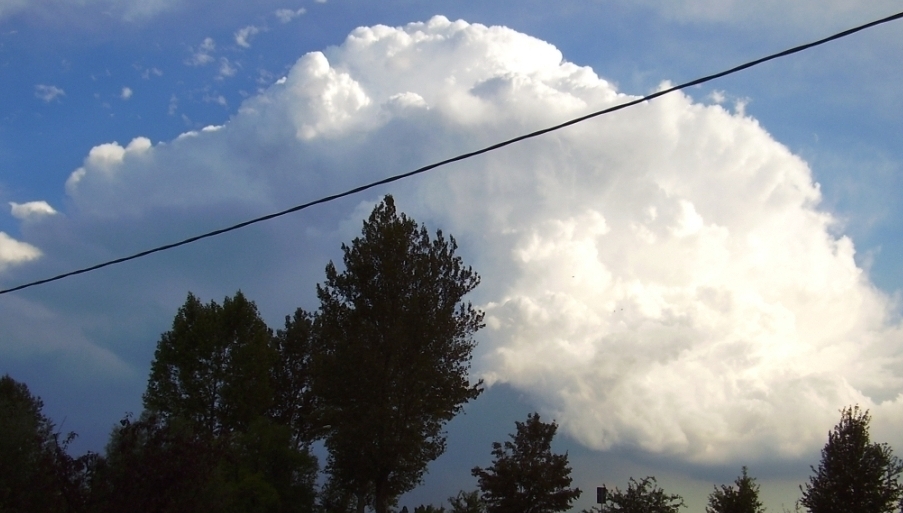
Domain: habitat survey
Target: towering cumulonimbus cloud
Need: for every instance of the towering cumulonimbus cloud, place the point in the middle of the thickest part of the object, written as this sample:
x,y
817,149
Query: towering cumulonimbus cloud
x,y
661,278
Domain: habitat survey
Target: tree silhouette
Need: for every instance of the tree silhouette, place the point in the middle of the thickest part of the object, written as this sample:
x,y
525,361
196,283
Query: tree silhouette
x,y
525,476
154,465
854,474
392,359
225,425
741,498
36,473
290,377
643,496
213,368
466,502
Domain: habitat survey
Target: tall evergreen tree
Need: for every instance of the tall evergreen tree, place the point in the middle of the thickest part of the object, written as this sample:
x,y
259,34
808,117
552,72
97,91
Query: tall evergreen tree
x,y
854,474
525,476
743,497
392,360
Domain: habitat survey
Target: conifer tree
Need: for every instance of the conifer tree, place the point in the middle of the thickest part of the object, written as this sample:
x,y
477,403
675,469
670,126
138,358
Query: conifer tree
x,y
525,476
743,497
855,474
391,360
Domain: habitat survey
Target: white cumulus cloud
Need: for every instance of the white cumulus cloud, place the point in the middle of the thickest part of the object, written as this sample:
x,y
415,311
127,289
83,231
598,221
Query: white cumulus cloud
x,y
14,252
31,210
106,159
661,278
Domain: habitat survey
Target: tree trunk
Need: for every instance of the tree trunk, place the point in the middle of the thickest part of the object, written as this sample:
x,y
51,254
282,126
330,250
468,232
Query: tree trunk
x,y
381,497
361,503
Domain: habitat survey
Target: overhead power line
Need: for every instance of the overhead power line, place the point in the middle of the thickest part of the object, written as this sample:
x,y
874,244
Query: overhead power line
x,y
462,156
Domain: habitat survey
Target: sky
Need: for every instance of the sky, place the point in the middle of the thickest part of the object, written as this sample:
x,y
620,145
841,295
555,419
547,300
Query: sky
x,y
687,286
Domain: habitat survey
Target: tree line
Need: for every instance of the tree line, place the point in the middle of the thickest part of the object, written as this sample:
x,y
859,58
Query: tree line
x,y
232,409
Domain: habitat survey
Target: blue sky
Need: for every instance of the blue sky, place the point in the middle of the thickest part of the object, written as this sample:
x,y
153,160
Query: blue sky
x,y
749,229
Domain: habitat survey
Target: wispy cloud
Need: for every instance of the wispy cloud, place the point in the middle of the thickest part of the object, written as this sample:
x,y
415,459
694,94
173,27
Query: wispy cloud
x,y
243,35
805,15
226,69
112,10
215,98
203,55
48,93
126,93
287,15
146,74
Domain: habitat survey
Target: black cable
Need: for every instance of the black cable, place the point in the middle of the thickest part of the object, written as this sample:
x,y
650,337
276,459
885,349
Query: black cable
x,y
463,156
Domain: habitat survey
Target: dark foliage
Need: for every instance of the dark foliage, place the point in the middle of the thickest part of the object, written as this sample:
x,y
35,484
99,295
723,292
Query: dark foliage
x,y
525,476
226,424
854,474
391,364
429,508
212,369
466,502
742,497
157,466
37,475
644,496
290,377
